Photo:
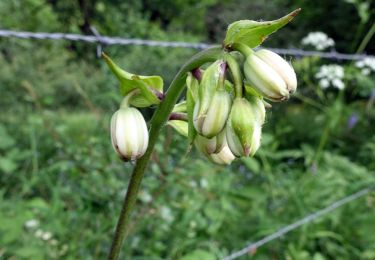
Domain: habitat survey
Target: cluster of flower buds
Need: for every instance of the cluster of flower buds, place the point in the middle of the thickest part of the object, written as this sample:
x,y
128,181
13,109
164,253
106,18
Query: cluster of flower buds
x,y
227,113
225,101
224,110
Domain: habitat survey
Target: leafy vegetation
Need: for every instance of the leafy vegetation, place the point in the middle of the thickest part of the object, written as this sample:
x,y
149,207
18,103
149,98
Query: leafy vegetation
x,y
61,184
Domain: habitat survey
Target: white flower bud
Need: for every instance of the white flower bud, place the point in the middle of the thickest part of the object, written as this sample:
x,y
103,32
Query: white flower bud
x,y
210,145
224,157
129,133
270,74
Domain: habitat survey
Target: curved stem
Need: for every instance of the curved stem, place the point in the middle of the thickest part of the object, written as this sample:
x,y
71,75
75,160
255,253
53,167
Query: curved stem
x,y
235,71
158,120
125,101
244,49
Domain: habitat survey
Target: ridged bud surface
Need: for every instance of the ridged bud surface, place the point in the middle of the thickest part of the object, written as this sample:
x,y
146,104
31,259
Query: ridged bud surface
x,y
212,121
244,128
129,133
270,75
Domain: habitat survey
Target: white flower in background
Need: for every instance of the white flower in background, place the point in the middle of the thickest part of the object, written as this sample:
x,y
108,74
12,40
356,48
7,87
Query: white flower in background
x,y
331,75
47,236
54,242
145,196
135,242
204,183
367,65
44,235
166,214
193,184
193,224
32,223
39,233
64,250
319,40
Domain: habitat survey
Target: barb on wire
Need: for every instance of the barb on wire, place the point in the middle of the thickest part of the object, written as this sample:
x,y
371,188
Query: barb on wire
x,y
290,227
105,40
99,47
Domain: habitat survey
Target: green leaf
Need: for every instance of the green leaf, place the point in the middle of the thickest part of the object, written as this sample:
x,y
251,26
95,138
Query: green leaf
x,y
151,87
180,126
253,33
180,107
191,97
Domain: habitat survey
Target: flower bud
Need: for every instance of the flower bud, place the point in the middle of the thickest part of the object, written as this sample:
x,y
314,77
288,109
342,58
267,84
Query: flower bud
x,y
212,121
209,146
270,74
244,126
129,133
224,157
213,102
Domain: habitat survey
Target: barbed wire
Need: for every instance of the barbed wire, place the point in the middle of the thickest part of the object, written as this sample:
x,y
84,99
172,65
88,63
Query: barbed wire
x,y
106,40
253,246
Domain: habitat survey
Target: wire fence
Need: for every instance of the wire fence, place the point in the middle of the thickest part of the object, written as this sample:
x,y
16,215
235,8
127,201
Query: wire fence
x,y
100,40
253,246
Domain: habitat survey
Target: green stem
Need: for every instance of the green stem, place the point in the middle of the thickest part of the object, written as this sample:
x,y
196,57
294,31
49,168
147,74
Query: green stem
x,y
158,120
244,49
366,40
235,71
310,101
125,101
329,126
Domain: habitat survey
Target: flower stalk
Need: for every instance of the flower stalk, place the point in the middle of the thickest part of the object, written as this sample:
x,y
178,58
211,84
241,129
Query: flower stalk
x,y
222,118
158,120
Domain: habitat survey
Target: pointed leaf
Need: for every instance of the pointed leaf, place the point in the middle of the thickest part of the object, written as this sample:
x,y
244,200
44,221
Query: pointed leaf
x,y
151,87
253,33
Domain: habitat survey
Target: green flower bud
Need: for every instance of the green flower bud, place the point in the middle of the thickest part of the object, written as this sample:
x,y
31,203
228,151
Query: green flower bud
x,y
191,96
213,102
270,75
215,117
129,133
209,146
244,126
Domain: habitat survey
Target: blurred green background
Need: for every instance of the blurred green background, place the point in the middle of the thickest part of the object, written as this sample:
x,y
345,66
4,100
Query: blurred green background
x,y
61,184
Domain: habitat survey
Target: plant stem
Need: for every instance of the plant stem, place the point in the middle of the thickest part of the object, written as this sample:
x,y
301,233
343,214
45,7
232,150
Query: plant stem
x,y
235,70
366,40
158,120
242,48
125,101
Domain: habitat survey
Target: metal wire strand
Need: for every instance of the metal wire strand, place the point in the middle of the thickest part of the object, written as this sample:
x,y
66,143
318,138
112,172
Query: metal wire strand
x,y
305,220
106,40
